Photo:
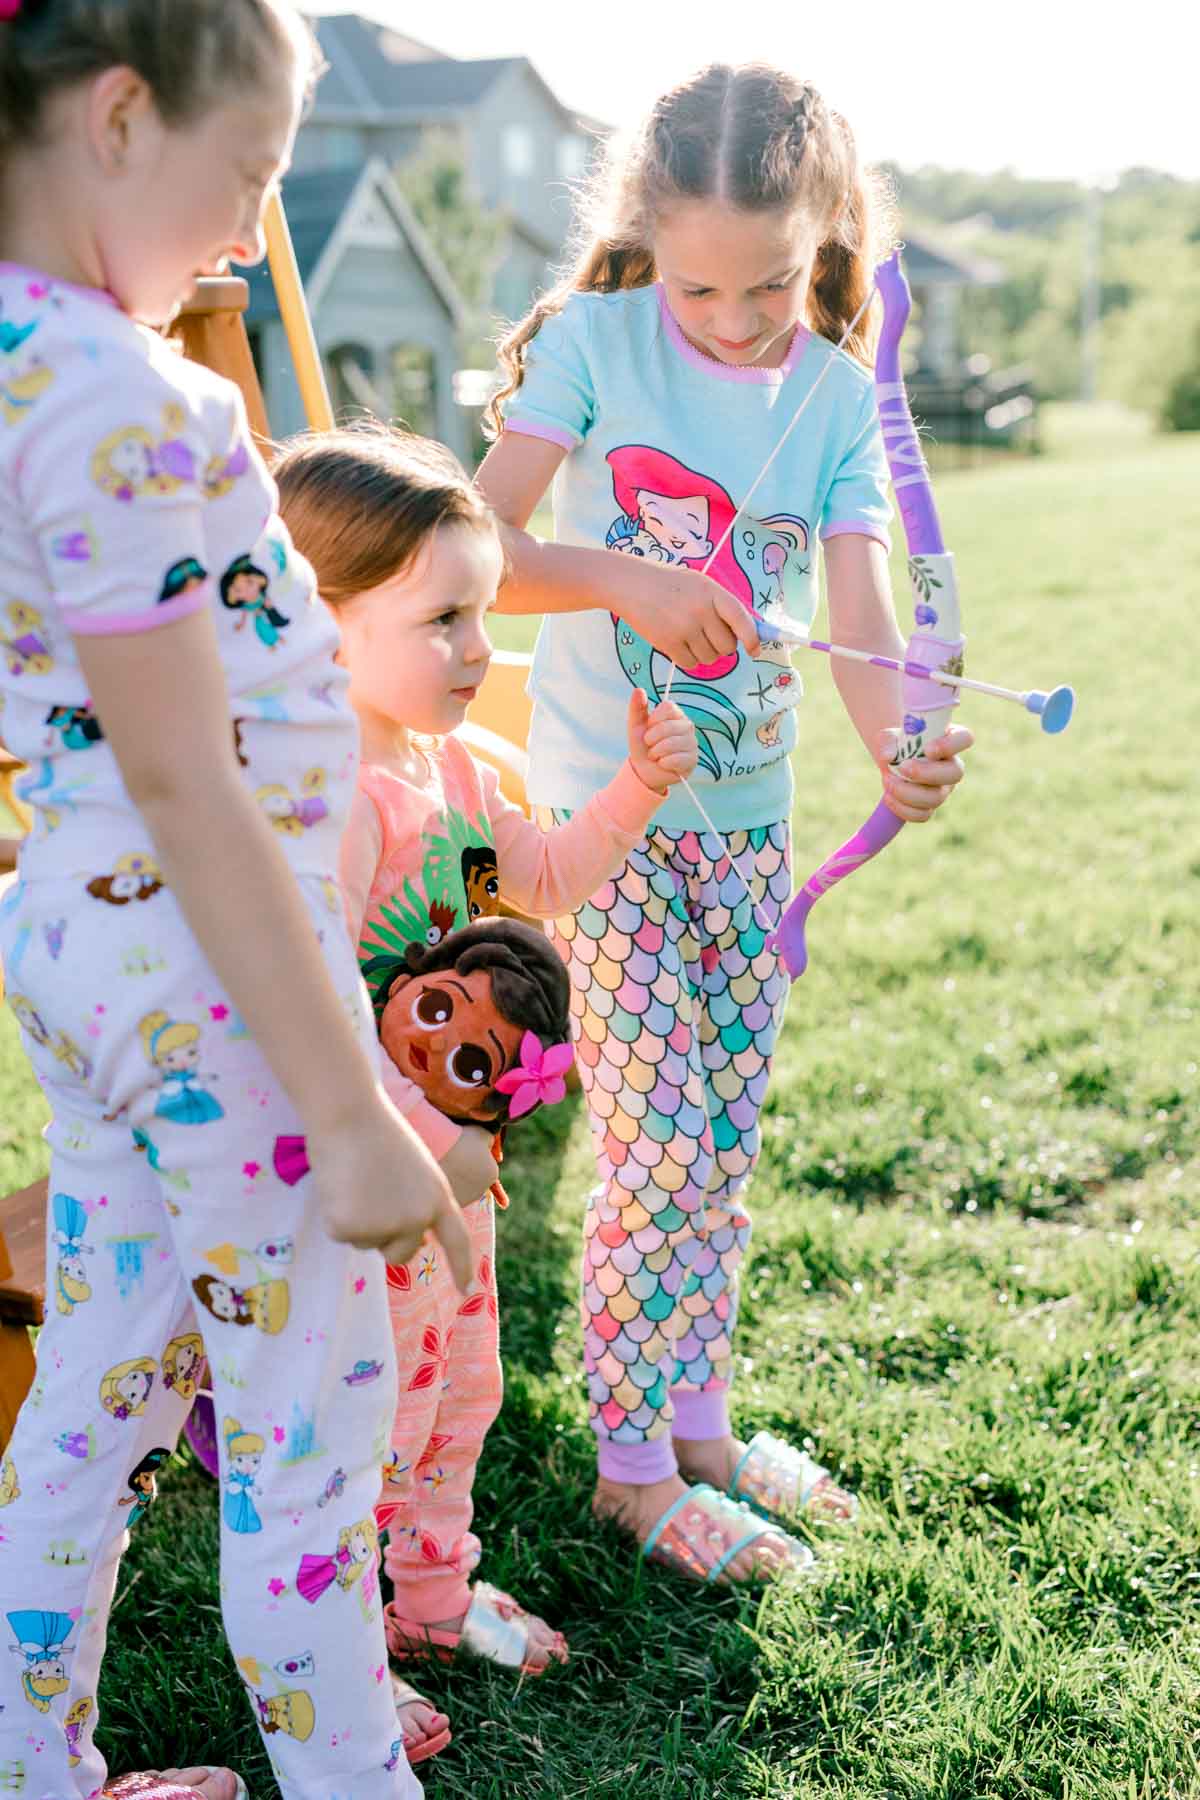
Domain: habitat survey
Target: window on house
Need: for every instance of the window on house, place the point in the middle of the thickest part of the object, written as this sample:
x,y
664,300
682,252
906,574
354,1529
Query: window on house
x,y
343,147
517,151
352,382
572,155
414,387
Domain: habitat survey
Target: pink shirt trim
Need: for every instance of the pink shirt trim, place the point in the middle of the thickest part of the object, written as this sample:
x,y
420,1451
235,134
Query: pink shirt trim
x,y
553,434
856,528
126,624
72,287
728,371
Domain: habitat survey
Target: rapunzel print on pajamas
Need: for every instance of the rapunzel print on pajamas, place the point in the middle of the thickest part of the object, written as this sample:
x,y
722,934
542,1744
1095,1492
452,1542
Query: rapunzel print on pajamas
x,y
128,488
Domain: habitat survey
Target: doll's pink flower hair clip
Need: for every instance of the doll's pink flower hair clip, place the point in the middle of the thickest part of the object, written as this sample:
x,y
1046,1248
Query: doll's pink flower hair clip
x,y
538,1078
9,8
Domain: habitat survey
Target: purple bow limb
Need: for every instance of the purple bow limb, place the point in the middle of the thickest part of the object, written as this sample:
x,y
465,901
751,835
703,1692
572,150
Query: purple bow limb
x,y
926,703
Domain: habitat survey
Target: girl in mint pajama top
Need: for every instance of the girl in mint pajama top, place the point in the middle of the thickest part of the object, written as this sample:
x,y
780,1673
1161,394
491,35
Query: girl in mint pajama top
x,y
731,251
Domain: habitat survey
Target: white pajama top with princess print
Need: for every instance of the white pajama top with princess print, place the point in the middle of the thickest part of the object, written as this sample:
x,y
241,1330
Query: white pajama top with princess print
x,y
130,496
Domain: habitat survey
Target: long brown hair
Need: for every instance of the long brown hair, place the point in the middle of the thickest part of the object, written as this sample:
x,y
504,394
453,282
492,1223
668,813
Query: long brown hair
x,y
360,502
750,137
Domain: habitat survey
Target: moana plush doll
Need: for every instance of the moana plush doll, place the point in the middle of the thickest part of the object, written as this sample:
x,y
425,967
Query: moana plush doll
x,y
479,1022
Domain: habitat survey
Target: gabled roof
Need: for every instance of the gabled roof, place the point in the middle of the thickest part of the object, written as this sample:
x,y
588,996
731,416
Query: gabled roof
x,y
374,74
317,205
934,264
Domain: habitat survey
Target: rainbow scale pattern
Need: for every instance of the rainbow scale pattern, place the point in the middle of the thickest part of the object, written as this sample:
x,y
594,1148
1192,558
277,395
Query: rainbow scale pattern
x,y
676,1005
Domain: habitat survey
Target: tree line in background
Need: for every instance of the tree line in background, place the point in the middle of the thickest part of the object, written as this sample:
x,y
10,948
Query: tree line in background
x,y
1139,239
1145,254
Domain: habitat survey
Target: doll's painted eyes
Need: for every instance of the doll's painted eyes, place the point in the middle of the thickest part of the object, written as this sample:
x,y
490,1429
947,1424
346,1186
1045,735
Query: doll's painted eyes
x,y
432,1007
470,1067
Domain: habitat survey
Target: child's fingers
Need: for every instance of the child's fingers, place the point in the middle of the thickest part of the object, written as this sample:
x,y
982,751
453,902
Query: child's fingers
x,y
451,1233
951,743
735,615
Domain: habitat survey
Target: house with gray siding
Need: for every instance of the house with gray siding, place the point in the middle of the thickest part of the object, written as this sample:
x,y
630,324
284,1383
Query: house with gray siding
x,y
384,92
387,316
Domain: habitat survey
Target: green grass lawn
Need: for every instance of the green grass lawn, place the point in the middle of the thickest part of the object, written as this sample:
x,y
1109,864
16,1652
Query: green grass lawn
x,y
975,1285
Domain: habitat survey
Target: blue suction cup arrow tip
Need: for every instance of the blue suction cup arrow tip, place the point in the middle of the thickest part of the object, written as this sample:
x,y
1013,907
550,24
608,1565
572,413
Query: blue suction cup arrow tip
x,y
1056,709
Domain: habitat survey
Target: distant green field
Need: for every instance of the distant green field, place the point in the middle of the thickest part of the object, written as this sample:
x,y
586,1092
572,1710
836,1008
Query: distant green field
x,y
975,1284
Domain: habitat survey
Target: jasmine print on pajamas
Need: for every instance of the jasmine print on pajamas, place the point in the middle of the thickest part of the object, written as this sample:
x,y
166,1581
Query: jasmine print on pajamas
x,y
178,1227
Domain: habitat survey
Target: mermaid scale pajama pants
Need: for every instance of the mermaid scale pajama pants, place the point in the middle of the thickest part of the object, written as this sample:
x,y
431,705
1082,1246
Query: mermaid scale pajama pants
x,y
676,1006
193,1232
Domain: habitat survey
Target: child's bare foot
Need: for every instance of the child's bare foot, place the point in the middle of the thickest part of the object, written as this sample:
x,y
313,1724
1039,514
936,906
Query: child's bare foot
x,y
709,1459
424,1728
638,1509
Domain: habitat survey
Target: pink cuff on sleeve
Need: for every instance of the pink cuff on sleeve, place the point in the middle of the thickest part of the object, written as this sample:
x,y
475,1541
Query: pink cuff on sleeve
x,y
629,803
126,624
553,434
857,528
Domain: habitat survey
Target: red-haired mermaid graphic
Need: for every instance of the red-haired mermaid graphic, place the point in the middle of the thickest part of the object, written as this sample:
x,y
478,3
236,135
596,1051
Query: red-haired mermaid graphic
x,y
674,514
686,514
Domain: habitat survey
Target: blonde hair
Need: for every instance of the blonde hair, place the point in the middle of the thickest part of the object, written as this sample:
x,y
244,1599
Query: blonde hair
x,y
160,1034
352,1571
360,502
239,1442
110,1399
750,137
188,1340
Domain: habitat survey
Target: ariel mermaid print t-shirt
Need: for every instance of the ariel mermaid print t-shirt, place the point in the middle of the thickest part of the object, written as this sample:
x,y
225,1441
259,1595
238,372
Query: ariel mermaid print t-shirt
x,y
664,443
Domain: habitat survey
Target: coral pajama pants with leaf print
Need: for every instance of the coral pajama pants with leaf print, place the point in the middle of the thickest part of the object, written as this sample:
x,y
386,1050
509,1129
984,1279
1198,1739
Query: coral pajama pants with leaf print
x,y
676,1005
179,1226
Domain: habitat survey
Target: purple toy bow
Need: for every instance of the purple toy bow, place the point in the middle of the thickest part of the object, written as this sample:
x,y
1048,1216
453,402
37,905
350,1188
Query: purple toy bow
x,y
936,642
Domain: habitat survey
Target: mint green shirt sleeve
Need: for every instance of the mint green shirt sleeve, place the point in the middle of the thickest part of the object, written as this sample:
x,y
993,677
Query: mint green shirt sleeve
x,y
557,399
857,500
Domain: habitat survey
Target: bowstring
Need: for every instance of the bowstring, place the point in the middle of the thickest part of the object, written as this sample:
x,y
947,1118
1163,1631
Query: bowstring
x,y
728,856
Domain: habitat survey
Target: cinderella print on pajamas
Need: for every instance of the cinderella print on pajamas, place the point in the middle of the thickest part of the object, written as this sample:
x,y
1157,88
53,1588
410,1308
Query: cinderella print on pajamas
x,y
170,1235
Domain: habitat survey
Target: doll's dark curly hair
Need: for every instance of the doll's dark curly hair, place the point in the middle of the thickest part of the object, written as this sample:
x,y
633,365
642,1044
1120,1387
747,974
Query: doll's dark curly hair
x,y
529,983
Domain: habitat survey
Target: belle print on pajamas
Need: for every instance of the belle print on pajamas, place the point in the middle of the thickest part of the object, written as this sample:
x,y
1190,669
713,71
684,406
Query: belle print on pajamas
x,y
173,1046
265,1303
290,1710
